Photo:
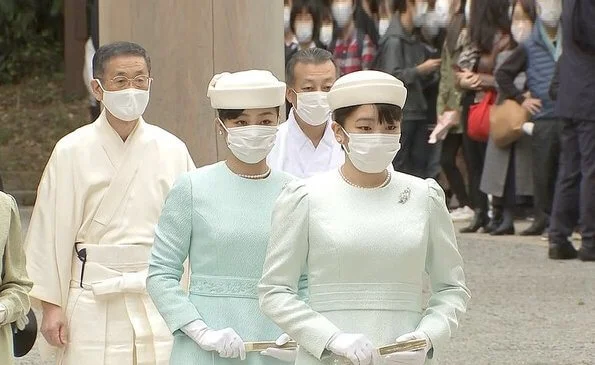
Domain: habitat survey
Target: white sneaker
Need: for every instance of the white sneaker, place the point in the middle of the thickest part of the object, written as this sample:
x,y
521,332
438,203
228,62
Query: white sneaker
x,y
462,214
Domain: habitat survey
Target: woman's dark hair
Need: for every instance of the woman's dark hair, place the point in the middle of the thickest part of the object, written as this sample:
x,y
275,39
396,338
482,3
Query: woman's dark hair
x,y
325,14
528,6
456,25
399,5
365,23
310,6
387,113
227,114
487,18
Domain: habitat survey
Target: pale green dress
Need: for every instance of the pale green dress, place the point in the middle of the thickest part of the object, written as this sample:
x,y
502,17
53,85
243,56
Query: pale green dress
x,y
221,222
366,252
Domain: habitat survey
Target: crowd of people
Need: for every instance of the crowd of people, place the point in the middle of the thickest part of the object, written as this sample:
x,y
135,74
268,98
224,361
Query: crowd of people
x,y
309,242
461,61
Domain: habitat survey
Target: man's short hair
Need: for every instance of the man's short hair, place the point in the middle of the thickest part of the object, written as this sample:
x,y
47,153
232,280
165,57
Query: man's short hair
x,y
111,50
314,56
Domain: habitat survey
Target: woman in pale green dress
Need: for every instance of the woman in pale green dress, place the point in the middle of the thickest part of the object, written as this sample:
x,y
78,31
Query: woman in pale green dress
x,y
218,217
365,237
14,283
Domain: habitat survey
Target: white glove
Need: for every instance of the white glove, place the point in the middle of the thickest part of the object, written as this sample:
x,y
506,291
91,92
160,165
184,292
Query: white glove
x,y
21,322
528,128
281,354
410,357
355,347
2,313
226,341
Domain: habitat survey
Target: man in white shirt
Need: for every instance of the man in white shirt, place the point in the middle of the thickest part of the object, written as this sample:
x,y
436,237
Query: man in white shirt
x,y
305,143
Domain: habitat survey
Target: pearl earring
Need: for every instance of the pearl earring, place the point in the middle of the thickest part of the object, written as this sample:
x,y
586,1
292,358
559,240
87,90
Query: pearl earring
x,y
220,132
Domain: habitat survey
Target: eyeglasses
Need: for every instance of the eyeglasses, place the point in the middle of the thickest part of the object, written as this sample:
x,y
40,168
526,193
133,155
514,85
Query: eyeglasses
x,y
139,82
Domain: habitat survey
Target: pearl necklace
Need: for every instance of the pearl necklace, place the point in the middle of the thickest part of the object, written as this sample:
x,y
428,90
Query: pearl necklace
x,y
256,177
386,181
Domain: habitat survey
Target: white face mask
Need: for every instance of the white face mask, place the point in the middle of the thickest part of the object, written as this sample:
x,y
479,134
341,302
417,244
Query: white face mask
x,y
250,144
372,153
326,34
383,26
342,13
419,18
286,16
303,32
442,13
127,105
312,107
432,26
521,30
550,13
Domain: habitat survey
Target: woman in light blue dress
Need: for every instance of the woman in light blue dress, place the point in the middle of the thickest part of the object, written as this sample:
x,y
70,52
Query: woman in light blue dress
x,y
218,217
365,237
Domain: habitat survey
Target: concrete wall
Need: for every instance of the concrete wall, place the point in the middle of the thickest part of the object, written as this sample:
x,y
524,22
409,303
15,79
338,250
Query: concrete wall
x,y
189,41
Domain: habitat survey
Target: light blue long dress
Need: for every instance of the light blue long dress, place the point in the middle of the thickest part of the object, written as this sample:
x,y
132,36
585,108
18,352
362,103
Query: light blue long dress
x,y
221,222
366,251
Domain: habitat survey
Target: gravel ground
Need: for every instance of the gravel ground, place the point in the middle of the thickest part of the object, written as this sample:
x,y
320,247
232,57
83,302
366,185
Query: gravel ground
x,y
525,308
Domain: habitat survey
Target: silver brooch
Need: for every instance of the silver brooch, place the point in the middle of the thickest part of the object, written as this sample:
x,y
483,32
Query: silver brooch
x,y
404,196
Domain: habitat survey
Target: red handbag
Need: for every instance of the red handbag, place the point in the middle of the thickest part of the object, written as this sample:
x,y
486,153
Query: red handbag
x,y
478,122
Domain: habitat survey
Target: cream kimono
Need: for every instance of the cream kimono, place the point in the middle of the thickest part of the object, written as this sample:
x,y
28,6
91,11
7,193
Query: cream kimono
x,y
90,235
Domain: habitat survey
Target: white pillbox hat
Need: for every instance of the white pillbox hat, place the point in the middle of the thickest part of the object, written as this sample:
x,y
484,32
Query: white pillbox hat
x,y
367,87
253,89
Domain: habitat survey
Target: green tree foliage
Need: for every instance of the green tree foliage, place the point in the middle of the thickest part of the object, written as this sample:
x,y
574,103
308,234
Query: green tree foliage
x,y
31,38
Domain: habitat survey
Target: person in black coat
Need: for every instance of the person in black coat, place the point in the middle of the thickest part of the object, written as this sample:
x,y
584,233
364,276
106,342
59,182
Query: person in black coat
x,y
574,200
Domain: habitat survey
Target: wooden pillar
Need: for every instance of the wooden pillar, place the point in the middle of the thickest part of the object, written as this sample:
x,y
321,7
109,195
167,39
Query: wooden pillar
x,y
75,36
188,42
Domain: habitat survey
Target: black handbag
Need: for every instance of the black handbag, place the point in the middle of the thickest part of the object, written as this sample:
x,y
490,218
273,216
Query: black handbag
x,y
23,340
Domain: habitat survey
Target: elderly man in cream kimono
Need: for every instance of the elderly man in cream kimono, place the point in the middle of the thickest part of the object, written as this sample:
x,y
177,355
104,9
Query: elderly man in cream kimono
x,y
92,228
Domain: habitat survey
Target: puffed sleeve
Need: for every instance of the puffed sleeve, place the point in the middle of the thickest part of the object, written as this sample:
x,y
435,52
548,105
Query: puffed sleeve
x,y
285,261
170,250
14,283
444,266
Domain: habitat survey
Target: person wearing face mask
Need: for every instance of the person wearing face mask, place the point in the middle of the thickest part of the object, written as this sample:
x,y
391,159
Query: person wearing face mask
x,y
433,35
402,54
97,205
218,217
305,23
325,35
537,56
291,43
353,49
508,172
344,230
305,143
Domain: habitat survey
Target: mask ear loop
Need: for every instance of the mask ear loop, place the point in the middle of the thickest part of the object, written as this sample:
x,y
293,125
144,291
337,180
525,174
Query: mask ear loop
x,y
222,126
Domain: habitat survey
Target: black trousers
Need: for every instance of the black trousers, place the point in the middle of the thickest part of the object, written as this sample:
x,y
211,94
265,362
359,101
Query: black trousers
x,y
475,153
546,155
413,156
574,200
448,162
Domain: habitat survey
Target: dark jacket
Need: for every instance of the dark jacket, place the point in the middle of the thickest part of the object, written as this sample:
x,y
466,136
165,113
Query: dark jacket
x,y
577,64
398,54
